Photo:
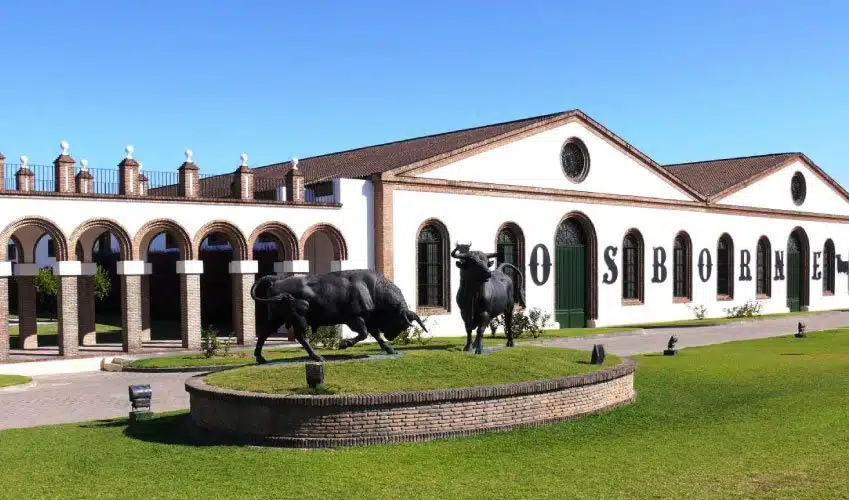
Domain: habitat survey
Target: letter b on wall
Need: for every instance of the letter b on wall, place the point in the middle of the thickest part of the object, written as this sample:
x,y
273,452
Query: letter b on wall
x,y
659,265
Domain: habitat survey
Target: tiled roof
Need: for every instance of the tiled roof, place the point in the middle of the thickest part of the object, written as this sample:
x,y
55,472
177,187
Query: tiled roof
x,y
715,176
362,162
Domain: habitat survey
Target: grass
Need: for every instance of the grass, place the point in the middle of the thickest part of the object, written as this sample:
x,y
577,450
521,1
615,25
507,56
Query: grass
x,y
418,369
759,419
10,380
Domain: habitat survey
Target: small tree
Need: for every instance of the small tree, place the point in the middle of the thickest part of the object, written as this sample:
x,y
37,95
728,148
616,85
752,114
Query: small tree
x,y
102,283
47,287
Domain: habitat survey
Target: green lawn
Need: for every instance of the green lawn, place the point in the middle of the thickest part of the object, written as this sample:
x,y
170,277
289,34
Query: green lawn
x,y
753,419
9,380
418,369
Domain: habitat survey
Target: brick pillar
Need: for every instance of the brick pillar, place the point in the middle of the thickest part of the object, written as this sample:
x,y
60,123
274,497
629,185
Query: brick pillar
x,y
84,180
131,272
68,273
145,302
295,183
27,325
2,172
63,167
383,227
243,181
5,272
189,177
128,175
86,301
190,271
242,276
24,177
142,184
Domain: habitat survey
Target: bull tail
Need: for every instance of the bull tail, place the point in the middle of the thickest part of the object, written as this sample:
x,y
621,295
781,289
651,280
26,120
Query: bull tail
x,y
414,316
521,281
270,279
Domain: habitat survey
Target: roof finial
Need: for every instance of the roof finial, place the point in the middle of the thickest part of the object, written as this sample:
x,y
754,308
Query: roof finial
x,y
294,163
24,161
129,150
83,165
244,157
189,155
64,146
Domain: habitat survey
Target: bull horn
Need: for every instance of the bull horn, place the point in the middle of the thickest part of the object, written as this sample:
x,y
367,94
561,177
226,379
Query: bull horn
x,y
417,318
455,253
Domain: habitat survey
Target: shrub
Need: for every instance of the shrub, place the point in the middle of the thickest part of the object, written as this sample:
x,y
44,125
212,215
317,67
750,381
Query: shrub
x,y
699,310
47,288
102,283
525,322
749,309
325,337
209,344
414,334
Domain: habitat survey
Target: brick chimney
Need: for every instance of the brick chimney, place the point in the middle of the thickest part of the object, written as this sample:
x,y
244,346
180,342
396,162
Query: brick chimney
x,y
128,173
189,177
243,181
84,181
63,167
295,183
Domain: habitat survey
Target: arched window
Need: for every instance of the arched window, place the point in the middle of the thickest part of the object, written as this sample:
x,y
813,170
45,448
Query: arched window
x,y
763,266
828,265
509,248
681,268
432,268
632,266
725,267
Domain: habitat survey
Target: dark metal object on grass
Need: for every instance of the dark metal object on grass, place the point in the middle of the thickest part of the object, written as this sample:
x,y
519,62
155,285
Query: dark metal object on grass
x,y
598,354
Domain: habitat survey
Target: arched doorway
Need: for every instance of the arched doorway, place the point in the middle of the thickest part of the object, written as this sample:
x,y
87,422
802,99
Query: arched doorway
x,y
323,244
574,272
271,244
797,270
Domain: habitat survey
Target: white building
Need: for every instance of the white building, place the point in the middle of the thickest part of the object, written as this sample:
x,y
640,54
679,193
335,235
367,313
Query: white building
x,y
605,235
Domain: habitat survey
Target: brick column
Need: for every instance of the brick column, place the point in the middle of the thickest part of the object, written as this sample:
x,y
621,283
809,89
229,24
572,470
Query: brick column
x,y
145,302
128,174
294,183
131,272
63,167
190,271
2,172
86,301
27,325
84,180
68,273
243,181
5,272
24,177
143,184
189,177
242,275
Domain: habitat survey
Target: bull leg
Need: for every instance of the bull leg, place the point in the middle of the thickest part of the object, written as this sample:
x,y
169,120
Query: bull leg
x,y
508,327
346,343
260,341
383,345
301,337
469,328
483,323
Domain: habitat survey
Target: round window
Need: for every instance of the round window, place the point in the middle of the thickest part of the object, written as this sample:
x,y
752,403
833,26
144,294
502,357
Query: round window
x,y
574,160
798,189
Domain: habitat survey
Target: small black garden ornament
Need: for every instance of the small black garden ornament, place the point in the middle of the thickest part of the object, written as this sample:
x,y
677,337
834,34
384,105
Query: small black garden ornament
x,y
598,354
800,331
670,348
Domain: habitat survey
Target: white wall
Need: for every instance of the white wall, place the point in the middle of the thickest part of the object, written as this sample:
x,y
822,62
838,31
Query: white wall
x,y
477,218
773,192
535,161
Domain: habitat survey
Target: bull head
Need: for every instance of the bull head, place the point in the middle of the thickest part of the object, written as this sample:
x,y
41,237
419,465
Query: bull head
x,y
472,262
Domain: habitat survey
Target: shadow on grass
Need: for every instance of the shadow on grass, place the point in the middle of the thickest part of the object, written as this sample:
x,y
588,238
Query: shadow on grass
x,y
177,429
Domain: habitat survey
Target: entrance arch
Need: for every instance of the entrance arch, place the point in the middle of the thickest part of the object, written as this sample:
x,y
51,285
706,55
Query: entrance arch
x,y
798,270
322,244
575,272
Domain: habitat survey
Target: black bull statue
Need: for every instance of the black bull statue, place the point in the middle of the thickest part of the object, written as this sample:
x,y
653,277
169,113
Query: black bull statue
x,y
484,293
363,300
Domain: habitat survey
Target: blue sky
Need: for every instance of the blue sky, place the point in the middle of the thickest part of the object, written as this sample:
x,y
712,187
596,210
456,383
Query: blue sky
x,y
681,81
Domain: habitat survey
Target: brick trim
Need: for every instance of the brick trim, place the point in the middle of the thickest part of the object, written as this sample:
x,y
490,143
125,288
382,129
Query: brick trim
x,y
384,227
169,199
326,421
45,225
149,230
285,237
446,269
340,248
125,244
234,237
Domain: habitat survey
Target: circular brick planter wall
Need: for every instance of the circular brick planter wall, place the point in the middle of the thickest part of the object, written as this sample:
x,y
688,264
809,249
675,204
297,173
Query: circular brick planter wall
x,y
359,419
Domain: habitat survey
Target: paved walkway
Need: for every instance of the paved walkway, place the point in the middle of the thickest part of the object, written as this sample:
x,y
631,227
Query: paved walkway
x,y
54,399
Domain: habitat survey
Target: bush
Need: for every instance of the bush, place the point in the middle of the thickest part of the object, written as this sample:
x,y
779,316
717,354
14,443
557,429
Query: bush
x,y
326,337
525,322
414,334
102,283
699,310
47,288
749,309
209,344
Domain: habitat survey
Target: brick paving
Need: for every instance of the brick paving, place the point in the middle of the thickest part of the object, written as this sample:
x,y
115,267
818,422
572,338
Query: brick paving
x,y
54,399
